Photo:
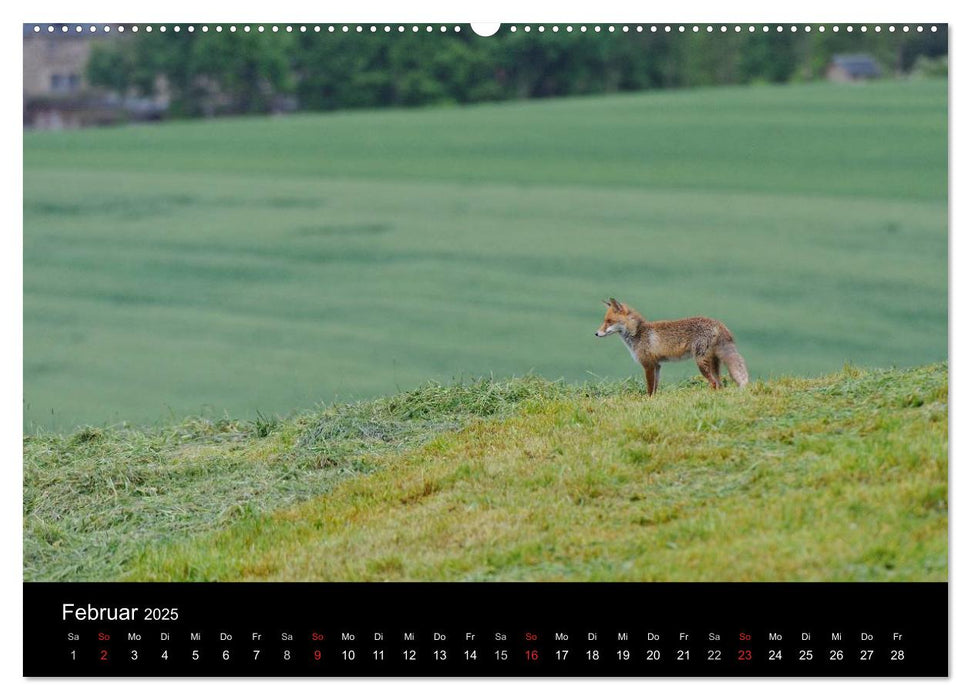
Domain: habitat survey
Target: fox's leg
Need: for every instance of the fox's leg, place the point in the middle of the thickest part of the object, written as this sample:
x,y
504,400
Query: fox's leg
x,y
704,366
650,374
716,369
657,377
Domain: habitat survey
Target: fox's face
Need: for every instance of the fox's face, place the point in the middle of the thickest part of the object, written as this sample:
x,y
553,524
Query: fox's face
x,y
615,319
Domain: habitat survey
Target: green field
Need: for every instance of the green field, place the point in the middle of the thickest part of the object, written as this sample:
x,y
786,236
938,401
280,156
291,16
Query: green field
x,y
841,477
247,265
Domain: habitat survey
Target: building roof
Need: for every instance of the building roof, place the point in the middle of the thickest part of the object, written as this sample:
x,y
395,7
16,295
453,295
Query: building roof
x,y
857,65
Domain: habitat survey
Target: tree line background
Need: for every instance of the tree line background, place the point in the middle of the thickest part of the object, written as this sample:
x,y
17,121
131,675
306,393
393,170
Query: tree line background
x,y
234,73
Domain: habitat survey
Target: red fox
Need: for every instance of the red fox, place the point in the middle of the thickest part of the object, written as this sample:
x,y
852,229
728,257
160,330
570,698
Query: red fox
x,y
653,342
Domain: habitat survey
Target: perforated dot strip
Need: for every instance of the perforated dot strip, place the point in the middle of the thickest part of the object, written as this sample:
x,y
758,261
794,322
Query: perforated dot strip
x,y
428,28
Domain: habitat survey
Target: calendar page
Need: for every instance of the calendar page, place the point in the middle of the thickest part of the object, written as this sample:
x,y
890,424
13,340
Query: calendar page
x,y
437,349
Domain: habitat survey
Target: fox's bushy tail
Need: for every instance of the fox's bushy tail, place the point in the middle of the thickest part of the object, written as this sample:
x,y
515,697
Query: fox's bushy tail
x,y
728,354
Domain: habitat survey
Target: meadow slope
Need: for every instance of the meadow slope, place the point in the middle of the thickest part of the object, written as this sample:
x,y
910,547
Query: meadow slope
x,y
235,266
840,477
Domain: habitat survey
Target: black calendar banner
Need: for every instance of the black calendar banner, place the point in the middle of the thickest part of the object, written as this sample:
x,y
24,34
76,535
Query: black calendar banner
x,y
495,629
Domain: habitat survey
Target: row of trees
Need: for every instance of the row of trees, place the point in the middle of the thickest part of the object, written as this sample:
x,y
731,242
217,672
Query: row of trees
x,y
207,73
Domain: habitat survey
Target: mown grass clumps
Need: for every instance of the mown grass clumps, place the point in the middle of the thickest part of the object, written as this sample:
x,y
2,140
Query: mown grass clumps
x,y
832,478
360,431
842,477
95,498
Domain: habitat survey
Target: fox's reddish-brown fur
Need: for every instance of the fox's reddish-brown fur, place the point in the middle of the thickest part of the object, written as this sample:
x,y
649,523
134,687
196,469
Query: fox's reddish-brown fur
x,y
708,341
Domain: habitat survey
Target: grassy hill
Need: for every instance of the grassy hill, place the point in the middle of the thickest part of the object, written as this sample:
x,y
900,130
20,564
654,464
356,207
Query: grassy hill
x,y
840,477
233,266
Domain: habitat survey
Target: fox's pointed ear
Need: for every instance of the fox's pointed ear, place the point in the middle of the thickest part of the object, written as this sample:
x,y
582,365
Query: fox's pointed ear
x,y
616,305
606,303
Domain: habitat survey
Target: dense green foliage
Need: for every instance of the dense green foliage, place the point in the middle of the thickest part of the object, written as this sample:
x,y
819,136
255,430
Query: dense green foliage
x,y
226,72
267,264
842,477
